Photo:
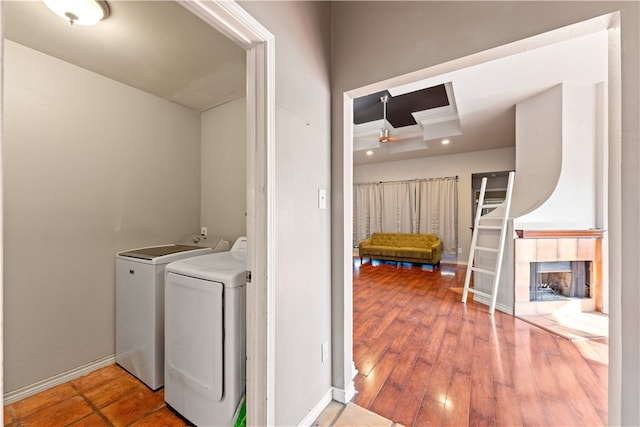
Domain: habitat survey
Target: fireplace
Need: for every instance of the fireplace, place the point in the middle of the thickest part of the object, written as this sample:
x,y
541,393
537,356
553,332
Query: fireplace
x,y
557,270
559,280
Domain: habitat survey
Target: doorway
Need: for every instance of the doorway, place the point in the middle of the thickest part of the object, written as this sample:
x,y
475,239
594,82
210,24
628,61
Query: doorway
x,y
233,21
348,168
495,191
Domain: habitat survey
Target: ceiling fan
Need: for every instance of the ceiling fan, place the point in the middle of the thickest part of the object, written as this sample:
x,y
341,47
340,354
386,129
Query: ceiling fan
x,y
384,132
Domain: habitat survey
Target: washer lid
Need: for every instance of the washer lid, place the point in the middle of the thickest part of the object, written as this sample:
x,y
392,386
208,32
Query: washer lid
x,y
158,251
228,268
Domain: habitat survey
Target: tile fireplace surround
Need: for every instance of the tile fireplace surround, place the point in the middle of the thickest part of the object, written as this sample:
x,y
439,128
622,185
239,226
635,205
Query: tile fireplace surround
x,y
557,245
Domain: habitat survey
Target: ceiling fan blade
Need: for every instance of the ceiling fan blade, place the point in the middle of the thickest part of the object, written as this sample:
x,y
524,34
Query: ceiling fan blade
x,y
388,139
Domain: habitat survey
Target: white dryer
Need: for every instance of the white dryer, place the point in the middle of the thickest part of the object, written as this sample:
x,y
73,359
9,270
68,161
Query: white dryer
x,y
205,333
140,303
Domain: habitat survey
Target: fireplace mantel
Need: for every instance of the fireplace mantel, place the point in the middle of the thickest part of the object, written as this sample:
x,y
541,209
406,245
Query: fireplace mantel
x,y
559,234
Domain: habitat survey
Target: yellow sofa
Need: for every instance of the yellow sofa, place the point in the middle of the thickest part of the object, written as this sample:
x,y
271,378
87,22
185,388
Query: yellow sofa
x,y
402,247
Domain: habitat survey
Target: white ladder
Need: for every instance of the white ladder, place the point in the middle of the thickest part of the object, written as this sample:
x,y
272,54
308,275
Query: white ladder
x,y
478,227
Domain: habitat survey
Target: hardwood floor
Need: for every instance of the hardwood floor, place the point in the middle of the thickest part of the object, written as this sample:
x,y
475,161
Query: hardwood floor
x,y
424,358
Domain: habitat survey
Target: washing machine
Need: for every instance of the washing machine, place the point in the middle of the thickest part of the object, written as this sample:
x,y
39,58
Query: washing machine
x,y
205,334
140,303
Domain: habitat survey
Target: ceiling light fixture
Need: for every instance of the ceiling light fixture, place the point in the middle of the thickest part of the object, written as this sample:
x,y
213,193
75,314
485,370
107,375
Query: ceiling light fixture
x,y
384,132
369,153
445,141
81,12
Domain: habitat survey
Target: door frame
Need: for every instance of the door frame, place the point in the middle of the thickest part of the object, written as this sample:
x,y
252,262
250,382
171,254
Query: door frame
x,y
240,27
611,243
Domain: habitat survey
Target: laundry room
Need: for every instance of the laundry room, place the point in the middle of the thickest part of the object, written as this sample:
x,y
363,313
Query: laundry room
x,y
98,163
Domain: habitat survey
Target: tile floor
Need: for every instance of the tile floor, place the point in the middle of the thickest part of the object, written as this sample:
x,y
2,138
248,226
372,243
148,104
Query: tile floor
x,y
107,397
112,397
572,326
339,415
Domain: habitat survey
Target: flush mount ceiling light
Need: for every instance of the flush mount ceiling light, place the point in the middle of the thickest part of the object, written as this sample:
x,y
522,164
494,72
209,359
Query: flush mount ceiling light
x,y
81,12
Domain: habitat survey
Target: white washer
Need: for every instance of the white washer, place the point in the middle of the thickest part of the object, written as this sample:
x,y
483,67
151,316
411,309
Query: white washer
x,y
205,333
140,304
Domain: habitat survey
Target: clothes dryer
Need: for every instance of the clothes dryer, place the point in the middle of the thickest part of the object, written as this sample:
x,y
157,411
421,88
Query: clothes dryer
x,y
140,303
205,335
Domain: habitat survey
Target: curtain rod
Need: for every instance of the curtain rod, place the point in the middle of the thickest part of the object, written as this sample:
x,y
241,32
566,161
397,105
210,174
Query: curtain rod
x,y
409,180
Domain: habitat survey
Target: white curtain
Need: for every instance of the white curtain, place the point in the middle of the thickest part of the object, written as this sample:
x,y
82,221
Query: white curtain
x,y
398,207
417,206
367,211
437,202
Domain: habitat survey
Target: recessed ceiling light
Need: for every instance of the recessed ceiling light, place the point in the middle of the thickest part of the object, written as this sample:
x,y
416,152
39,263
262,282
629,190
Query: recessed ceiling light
x,y
369,153
445,141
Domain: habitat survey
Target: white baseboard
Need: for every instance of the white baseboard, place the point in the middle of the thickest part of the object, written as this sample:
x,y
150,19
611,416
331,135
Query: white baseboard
x,y
35,388
344,395
486,301
316,410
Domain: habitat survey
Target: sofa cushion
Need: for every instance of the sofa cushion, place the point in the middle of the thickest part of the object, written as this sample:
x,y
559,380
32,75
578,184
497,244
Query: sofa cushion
x,y
417,240
382,251
385,239
420,253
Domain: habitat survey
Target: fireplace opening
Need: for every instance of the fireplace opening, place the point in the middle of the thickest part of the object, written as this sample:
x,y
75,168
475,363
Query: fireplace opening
x,y
558,280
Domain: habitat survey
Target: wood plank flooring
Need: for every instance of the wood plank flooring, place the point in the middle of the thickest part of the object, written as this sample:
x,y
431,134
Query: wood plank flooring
x,y
424,358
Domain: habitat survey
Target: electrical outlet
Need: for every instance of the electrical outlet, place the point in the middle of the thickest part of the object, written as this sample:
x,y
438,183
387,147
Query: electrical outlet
x,y
325,350
203,231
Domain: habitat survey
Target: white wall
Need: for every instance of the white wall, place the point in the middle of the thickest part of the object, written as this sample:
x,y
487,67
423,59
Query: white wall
x,y
555,187
539,149
462,165
556,183
302,297
91,167
411,36
224,170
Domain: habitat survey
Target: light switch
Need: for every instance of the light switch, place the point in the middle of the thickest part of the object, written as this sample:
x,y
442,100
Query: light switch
x,y
322,198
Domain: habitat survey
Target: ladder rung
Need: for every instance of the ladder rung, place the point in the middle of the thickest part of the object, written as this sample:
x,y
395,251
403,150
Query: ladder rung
x,y
490,227
491,205
482,248
477,292
482,270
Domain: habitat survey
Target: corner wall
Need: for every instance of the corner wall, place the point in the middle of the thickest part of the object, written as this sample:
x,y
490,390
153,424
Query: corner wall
x,y
302,298
555,187
224,170
91,167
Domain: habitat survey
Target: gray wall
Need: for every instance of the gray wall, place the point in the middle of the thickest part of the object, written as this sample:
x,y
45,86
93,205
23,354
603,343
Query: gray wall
x,y
374,41
224,170
91,167
302,297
